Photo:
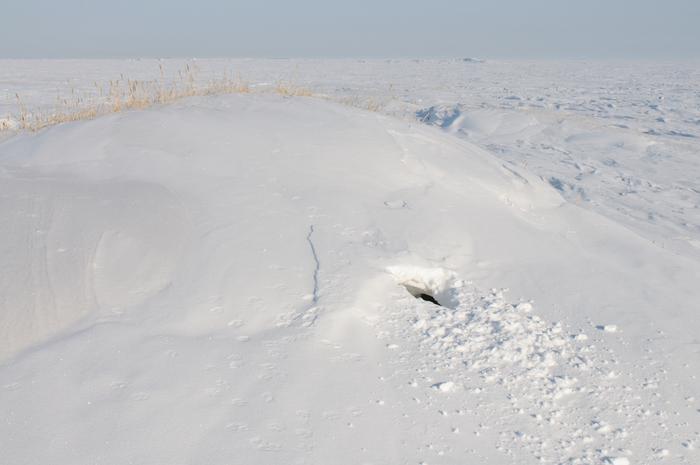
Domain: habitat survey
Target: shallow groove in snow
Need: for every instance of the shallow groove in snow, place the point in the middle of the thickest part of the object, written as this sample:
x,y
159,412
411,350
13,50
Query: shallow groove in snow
x,y
317,264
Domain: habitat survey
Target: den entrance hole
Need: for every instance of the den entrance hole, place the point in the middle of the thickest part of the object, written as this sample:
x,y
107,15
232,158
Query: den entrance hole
x,y
423,294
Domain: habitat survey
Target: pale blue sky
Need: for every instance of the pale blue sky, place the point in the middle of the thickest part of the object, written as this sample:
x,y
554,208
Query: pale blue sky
x,y
359,28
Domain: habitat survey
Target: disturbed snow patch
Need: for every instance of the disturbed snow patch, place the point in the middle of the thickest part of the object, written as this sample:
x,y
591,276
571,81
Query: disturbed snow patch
x,y
564,402
502,343
486,334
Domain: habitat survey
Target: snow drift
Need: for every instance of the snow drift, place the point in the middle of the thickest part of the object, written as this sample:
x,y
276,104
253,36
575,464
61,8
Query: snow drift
x,y
218,281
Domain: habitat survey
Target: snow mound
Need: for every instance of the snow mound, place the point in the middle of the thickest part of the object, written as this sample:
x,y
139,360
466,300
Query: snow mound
x,y
235,277
134,192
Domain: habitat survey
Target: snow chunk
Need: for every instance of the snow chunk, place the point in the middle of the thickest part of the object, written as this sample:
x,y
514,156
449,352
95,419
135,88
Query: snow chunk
x,y
447,386
524,307
438,283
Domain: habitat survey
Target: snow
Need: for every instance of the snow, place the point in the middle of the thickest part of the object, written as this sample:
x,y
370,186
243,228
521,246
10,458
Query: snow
x,y
619,138
617,461
233,279
446,386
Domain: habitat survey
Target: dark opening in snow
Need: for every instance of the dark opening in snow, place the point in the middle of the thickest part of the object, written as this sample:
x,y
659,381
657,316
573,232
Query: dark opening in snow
x,y
429,298
419,293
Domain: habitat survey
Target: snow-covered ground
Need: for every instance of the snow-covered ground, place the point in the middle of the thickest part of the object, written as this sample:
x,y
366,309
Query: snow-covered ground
x,y
621,138
229,279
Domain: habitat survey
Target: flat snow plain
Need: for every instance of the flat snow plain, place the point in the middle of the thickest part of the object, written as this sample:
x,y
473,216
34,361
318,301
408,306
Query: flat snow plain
x,y
226,280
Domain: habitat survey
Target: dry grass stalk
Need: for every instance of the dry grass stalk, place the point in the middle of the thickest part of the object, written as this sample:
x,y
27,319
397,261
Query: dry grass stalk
x,y
290,90
121,95
126,94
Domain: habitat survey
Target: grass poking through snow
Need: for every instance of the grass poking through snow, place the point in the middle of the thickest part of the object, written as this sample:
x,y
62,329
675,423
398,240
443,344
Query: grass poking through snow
x,y
129,94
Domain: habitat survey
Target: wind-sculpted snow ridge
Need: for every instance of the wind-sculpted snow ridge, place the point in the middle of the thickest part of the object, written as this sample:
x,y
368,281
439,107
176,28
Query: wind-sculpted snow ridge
x,y
612,168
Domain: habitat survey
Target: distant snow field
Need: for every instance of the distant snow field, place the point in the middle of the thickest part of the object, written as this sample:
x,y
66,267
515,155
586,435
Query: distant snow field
x,y
497,264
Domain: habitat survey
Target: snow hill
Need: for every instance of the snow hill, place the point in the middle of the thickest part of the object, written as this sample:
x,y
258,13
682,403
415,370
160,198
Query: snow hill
x,y
232,280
